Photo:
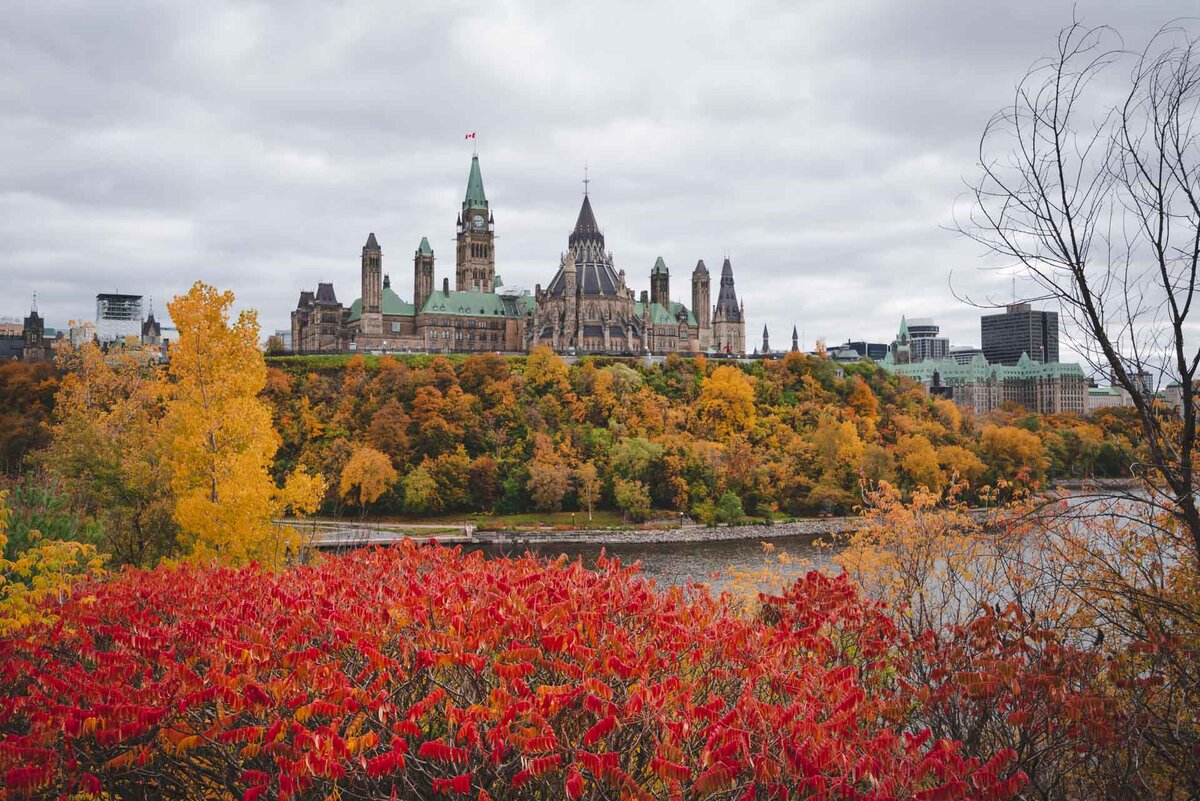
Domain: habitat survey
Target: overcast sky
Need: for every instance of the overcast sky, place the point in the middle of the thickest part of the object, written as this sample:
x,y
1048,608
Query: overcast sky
x,y
821,145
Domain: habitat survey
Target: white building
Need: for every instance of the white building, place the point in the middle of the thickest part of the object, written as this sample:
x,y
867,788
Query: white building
x,y
118,317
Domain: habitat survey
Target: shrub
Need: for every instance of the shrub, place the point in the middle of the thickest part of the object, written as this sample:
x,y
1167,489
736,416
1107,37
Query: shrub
x,y
420,671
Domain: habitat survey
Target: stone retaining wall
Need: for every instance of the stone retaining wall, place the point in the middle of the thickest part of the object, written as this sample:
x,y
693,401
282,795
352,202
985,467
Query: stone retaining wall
x,y
810,528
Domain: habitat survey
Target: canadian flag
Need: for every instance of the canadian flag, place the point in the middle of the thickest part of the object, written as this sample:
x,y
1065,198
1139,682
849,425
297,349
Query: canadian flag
x,y
471,135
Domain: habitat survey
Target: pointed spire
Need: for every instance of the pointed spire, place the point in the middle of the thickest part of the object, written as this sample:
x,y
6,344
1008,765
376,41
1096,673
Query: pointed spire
x,y
700,268
766,348
902,336
475,198
795,340
372,243
586,227
660,267
424,248
726,271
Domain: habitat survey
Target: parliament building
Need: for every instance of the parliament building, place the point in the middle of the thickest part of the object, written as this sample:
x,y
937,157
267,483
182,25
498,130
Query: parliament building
x,y
586,308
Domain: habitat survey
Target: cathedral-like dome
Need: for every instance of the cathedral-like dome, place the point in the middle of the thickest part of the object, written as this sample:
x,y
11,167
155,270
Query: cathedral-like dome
x,y
594,273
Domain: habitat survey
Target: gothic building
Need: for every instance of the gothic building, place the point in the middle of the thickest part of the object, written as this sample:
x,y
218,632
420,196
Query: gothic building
x,y
478,315
588,307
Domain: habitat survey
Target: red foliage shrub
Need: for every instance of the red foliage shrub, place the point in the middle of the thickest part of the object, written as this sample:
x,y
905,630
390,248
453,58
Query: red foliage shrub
x,y
420,671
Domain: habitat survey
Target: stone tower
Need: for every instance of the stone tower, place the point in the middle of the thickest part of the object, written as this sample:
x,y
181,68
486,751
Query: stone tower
x,y
702,304
34,331
728,323
766,342
422,274
660,284
372,288
795,340
476,257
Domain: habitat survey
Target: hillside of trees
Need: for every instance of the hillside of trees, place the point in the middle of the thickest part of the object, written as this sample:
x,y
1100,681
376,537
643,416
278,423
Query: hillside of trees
x,y
795,436
83,444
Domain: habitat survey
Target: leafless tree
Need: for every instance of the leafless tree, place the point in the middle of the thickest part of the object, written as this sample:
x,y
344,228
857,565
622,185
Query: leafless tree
x,y
1090,187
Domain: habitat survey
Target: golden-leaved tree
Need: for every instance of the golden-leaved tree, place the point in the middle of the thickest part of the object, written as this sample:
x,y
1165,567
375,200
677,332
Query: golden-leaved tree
x,y
220,436
366,477
106,453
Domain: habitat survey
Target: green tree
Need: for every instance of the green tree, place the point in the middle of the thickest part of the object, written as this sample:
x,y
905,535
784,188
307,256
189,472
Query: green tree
x,y
632,498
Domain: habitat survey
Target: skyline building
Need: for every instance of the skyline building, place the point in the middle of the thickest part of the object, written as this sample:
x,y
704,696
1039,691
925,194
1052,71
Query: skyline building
x,y
1019,329
118,317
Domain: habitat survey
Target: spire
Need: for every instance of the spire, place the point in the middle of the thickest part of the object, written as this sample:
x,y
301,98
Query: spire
x,y
586,227
424,249
372,243
795,340
660,267
34,308
475,198
902,336
700,268
766,348
727,308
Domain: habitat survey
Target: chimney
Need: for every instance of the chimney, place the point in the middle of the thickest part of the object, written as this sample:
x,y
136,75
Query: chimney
x,y
446,287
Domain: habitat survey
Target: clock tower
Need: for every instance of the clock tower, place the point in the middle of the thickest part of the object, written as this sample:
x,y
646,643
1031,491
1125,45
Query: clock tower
x,y
476,256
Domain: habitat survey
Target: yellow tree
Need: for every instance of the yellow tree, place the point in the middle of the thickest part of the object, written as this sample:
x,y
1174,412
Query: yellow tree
x,y
220,440
366,477
587,482
726,404
106,451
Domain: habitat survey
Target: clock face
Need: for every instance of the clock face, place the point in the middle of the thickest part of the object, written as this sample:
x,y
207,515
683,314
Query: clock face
x,y
478,222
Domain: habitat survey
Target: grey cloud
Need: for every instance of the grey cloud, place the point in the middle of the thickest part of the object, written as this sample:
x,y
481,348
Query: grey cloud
x,y
145,145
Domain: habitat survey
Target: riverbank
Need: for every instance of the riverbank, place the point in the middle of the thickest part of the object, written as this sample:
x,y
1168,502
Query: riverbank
x,y
692,533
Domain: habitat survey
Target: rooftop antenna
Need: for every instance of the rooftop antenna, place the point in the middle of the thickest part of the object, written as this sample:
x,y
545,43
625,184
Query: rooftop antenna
x,y
1014,288
586,180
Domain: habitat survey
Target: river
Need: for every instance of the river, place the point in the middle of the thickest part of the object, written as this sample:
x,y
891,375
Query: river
x,y
697,562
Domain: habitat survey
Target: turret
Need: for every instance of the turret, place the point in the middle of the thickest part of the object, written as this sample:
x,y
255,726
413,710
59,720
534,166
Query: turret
x,y
660,284
372,287
423,263
766,348
795,340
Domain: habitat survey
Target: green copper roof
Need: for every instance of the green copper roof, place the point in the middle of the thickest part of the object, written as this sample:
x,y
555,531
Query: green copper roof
x,y
392,304
978,370
424,249
903,335
475,198
478,304
660,315
660,267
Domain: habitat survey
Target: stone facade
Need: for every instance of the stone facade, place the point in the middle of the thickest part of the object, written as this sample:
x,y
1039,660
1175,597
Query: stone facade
x,y
587,307
1044,388
479,315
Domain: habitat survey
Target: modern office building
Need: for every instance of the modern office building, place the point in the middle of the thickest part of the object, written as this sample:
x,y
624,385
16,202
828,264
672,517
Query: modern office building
x,y
1020,329
919,340
118,317
876,351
